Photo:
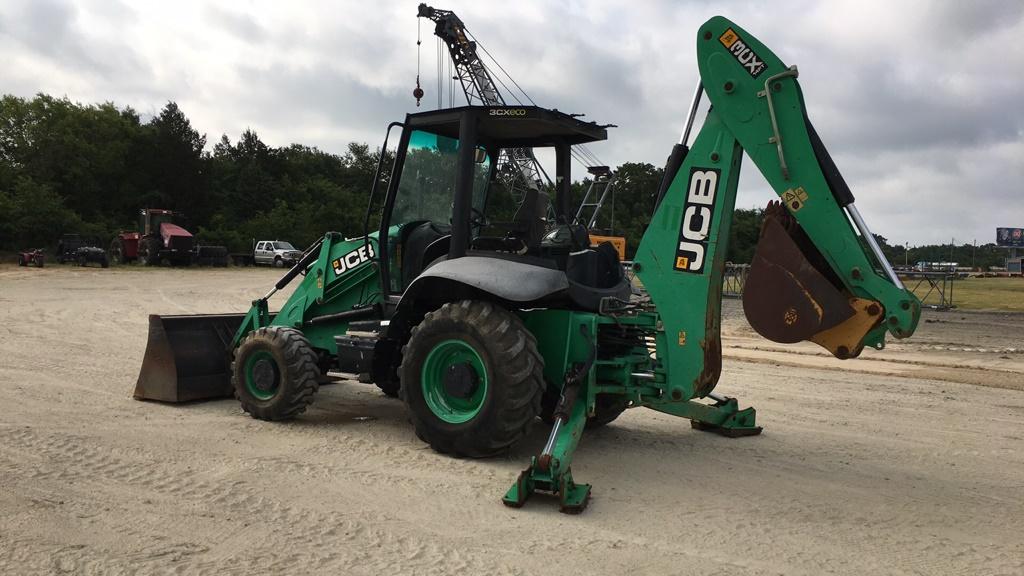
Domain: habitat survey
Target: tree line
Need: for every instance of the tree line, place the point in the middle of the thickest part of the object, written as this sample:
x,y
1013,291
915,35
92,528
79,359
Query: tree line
x,y
88,169
67,167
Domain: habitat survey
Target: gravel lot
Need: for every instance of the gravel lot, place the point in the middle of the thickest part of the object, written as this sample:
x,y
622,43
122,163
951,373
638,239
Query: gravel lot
x,y
906,461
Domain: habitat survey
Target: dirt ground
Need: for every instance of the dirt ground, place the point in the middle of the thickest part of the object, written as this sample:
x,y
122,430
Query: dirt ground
x,y
906,461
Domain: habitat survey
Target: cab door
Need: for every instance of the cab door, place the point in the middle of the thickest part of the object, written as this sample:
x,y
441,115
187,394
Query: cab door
x,y
260,254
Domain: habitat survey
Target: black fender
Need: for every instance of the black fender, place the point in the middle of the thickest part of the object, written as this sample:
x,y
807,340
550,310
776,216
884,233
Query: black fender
x,y
507,280
512,283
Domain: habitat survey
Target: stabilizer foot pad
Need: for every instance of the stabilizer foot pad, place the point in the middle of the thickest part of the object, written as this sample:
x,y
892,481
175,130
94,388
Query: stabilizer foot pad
x,y
573,497
728,432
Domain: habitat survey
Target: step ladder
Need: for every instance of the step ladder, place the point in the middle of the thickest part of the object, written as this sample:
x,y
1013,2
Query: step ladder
x,y
598,192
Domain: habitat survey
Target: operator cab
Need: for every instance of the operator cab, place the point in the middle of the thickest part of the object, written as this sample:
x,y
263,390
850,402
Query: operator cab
x,y
448,199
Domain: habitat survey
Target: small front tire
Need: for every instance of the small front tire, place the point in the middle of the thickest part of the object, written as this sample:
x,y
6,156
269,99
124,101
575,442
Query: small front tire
x,y
275,373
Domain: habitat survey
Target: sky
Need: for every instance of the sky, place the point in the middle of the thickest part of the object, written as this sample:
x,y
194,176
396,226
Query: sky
x,y
921,104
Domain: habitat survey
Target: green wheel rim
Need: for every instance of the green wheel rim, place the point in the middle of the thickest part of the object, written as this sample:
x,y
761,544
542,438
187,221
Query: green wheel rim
x,y
262,376
446,405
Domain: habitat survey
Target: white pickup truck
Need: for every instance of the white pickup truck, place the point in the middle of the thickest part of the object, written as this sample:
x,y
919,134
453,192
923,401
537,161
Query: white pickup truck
x,y
275,253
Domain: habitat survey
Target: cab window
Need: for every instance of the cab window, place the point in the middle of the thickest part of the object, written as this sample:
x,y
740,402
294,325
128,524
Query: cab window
x,y
427,186
423,204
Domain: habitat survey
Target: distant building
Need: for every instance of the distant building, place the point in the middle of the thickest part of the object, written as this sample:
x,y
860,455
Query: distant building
x,y
1013,240
936,266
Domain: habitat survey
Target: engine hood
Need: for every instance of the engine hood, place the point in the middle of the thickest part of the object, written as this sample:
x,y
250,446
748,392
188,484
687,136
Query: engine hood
x,y
168,231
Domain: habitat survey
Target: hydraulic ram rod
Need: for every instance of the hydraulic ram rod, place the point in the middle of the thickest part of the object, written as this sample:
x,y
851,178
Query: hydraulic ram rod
x,y
862,227
692,115
679,151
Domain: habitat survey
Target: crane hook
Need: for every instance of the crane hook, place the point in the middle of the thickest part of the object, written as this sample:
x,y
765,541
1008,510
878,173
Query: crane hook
x,y
417,93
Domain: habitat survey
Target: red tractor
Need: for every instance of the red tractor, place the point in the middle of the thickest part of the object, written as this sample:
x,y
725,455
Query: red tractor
x,y
157,239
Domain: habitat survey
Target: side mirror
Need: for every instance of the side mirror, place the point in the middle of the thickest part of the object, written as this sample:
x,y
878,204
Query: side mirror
x,y
481,156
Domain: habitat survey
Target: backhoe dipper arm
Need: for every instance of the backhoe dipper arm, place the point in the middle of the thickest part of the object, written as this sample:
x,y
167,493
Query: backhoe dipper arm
x,y
811,278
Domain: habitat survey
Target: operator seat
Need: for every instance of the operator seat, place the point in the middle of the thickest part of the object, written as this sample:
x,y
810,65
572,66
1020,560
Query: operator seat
x,y
595,274
525,232
529,219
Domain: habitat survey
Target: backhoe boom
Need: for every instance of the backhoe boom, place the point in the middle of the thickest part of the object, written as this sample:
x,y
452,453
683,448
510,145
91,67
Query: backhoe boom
x,y
812,278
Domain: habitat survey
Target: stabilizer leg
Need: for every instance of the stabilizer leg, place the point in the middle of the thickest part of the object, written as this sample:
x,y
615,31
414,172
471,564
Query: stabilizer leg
x,y
723,417
550,472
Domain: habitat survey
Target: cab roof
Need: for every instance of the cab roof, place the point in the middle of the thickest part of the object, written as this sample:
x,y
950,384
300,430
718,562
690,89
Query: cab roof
x,y
511,126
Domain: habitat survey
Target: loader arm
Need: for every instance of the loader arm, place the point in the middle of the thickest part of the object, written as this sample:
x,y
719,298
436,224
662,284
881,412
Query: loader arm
x,y
812,277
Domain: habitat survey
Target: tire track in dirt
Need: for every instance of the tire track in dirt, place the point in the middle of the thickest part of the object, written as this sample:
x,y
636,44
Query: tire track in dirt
x,y
299,534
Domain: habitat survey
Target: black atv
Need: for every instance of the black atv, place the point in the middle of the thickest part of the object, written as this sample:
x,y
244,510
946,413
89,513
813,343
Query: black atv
x,y
87,254
73,248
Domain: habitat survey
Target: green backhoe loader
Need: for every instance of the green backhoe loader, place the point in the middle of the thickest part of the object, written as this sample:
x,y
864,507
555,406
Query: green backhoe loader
x,y
484,320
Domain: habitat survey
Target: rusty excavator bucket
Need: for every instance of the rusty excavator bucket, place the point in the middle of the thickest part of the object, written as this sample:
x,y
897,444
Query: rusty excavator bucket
x,y
187,358
791,293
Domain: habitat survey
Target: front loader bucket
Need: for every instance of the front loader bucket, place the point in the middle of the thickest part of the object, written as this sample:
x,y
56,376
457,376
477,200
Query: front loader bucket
x,y
187,358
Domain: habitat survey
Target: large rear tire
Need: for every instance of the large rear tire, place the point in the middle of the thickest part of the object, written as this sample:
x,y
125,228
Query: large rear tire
x,y
471,379
607,407
117,251
390,388
275,373
149,251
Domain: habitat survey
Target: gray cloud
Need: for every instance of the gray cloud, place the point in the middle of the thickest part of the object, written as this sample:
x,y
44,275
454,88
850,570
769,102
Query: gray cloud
x,y
918,101
53,29
240,25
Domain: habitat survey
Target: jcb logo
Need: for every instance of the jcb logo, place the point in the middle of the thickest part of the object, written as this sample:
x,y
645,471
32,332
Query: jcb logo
x,y
698,210
352,259
508,112
742,53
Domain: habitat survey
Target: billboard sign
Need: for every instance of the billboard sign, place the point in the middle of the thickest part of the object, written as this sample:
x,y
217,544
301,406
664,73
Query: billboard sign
x,y
1010,237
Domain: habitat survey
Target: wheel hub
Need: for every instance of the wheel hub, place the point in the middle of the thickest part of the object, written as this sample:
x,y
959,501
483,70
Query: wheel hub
x,y
454,381
263,375
461,380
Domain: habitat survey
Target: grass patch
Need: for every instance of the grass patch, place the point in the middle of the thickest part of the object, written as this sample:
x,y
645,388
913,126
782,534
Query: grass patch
x,y
980,293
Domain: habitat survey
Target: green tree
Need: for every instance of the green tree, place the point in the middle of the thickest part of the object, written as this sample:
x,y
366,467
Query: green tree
x,y
176,164
743,235
37,214
636,184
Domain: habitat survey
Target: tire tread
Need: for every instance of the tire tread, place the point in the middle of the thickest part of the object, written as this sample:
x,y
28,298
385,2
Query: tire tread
x,y
517,366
